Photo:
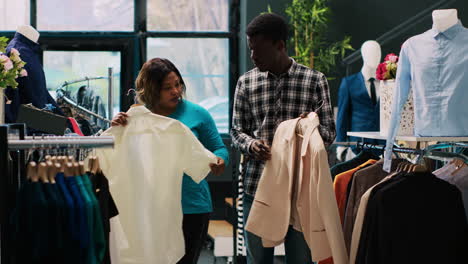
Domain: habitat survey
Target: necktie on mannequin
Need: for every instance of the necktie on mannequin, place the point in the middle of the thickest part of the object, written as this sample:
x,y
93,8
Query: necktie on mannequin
x,y
372,91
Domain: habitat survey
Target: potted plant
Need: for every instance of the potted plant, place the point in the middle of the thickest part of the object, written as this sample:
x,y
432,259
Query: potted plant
x,y
309,21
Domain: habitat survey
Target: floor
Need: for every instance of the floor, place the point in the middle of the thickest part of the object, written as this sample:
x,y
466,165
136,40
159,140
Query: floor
x,y
206,257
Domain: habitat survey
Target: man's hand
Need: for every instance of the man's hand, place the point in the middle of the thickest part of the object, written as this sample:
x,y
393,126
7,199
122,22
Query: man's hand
x,y
120,119
218,167
260,150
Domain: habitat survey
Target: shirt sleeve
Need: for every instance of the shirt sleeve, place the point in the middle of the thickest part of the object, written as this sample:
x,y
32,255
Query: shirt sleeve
x,y
195,158
241,120
210,138
327,121
400,95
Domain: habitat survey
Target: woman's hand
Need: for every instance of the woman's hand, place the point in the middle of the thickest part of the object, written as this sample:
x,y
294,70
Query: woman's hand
x,y
218,167
120,119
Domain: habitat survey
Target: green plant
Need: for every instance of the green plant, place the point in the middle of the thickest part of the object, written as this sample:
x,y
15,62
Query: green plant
x,y
11,67
3,44
309,21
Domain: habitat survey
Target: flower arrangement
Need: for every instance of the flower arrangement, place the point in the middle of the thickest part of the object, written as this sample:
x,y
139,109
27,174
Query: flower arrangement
x,y
11,67
387,69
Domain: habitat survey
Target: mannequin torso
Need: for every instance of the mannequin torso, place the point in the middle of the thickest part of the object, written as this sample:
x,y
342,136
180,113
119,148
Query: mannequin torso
x,y
443,19
29,32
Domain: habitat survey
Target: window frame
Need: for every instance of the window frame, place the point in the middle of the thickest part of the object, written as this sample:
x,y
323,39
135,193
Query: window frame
x,y
133,45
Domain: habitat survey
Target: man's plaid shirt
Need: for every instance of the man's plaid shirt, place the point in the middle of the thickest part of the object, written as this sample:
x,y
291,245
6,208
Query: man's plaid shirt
x,y
262,101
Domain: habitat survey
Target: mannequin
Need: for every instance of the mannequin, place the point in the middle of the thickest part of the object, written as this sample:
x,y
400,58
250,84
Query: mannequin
x,y
31,89
29,32
444,19
434,116
354,106
371,56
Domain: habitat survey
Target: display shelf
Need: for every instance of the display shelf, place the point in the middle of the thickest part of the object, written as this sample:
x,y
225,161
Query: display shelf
x,y
376,135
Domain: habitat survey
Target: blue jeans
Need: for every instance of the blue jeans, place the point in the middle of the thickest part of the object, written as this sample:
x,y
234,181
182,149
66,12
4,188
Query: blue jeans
x,y
295,246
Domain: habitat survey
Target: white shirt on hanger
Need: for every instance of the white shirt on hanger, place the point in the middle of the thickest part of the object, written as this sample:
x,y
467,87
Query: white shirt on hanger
x,y
145,171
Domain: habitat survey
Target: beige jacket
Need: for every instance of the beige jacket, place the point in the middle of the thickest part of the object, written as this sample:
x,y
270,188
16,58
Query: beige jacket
x,y
281,195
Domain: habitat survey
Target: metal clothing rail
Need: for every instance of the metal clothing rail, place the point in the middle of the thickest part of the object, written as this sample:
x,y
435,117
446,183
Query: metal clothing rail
x,y
73,104
58,142
110,96
362,145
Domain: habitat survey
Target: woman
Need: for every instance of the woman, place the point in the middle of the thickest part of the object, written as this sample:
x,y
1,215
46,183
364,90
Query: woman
x,y
160,87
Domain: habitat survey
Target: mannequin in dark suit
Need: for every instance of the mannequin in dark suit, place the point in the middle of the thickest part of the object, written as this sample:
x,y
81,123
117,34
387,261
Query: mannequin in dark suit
x,y
358,105
31,89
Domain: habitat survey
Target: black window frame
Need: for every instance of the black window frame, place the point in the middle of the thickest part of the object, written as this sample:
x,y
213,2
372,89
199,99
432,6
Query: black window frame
x,y
133,45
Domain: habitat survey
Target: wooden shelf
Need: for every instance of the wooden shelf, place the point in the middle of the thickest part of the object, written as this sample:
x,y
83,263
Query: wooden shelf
x,y
376,135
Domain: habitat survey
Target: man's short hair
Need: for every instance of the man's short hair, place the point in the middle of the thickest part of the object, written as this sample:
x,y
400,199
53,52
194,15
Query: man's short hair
x,y
269,25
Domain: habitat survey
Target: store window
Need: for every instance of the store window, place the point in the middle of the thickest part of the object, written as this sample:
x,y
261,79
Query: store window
x,y
204,65
13,14
188,15
68,70
85,15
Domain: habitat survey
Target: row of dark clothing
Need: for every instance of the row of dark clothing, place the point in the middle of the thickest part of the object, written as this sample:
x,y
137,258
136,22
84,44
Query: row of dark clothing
x,y
401,217
64,222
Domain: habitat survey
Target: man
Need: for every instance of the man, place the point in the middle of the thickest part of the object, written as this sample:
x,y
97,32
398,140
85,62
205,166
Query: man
x,y
277,89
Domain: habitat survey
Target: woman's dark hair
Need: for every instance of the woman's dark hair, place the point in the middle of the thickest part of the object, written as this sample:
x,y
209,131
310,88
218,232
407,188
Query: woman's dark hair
x,y
149,81
269,25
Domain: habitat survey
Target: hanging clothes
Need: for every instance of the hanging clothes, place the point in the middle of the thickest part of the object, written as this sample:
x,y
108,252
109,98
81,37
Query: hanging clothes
x,y
360,158
340,186
100,187
361,182
296,189
145,171
405,222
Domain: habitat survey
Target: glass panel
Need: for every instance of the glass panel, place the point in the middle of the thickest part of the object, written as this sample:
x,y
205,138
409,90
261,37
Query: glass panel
x,y
85,15
188,15
13,14
204,65
68,66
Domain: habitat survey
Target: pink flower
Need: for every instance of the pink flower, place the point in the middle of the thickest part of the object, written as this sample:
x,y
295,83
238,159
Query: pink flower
x,y
381,71
7,63
393,59
387,58
14,51
15,55
23,73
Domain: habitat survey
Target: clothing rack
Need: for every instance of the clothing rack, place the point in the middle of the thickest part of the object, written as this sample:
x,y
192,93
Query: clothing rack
x,y
362,146
10,182
429,152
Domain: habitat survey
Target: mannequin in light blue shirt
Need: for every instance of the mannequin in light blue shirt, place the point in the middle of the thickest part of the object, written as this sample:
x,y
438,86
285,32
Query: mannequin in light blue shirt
x,y
434,64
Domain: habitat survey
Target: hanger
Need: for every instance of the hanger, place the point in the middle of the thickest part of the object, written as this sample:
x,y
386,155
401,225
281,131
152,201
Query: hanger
x,y
76,168
321,103
459,164
51,171
31,171
68,169
42,172
81,167
96,167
